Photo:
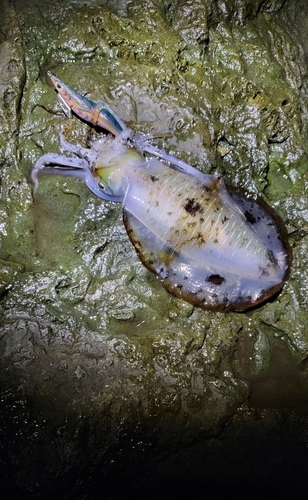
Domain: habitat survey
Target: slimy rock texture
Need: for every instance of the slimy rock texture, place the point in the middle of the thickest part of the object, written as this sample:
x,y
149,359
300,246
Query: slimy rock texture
x,y
107,379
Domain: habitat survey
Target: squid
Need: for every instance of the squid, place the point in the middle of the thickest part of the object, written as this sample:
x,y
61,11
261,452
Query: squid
x,y
215,246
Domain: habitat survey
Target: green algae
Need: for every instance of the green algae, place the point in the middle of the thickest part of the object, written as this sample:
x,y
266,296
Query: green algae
x,y
85,328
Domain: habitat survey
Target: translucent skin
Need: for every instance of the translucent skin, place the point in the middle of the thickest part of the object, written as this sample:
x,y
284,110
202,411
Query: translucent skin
x,y
200,222
214,248
197,239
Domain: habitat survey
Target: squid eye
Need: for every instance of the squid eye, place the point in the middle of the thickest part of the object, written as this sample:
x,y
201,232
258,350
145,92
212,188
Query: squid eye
x,y
104,188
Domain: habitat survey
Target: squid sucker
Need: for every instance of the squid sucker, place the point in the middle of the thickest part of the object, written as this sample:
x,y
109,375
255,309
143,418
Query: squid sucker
x,y
214,246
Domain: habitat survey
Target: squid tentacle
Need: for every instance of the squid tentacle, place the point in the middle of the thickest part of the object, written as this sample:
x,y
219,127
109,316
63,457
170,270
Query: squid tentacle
x,y
51,163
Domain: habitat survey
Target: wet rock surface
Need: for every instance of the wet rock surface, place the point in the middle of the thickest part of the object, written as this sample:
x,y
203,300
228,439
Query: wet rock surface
x,y
107,380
